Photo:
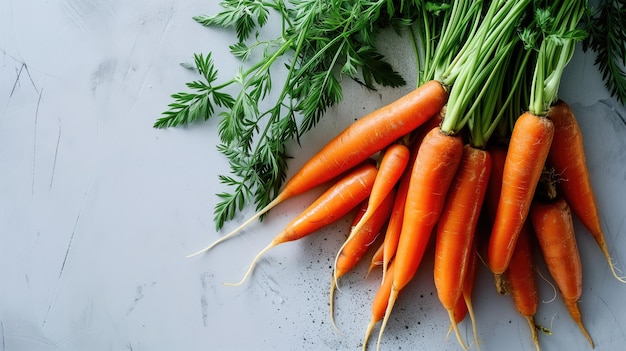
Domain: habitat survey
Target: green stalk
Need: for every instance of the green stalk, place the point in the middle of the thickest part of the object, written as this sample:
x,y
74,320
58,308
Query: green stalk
x,y
466,73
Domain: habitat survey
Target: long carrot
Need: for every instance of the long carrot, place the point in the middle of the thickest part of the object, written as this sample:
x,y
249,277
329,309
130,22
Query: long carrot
x,y
358,243
567,156
435,166
521,281
394,227
554,229
362,139
456,228
526,156
329,207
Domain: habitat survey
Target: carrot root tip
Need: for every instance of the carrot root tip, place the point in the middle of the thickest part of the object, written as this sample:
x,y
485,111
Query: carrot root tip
x,y
457,332
533,332
252,265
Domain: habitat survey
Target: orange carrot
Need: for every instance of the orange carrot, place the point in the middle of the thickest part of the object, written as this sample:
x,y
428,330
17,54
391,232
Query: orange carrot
x,y
435,166
525,158
329,207
390,169
492,196
554,229
456,228
358,243
521,281
394,227
379,305
567,156
363,138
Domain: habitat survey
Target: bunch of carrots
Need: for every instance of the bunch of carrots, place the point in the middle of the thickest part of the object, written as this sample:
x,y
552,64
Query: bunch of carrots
x,y
482,156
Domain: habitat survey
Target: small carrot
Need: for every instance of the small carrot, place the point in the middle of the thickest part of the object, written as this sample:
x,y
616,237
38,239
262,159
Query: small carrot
x,y
379,304
358,243
362,139
329,207
390,169
567,156
456,228
437,160
521,281
394,227
526,155
554,229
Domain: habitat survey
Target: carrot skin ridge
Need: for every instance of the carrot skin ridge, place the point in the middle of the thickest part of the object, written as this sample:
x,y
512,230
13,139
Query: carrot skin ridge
x,y
567,156
329,207
554,229
456,227
526,155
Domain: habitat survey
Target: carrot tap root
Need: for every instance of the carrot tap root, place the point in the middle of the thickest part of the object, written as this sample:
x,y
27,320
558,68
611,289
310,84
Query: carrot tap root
x,y
393,296
455,327
533,332
574,311
253,264
368,332
281,197
332,306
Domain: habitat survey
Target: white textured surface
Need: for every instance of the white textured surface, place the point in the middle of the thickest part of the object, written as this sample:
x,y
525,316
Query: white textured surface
x,y
98,209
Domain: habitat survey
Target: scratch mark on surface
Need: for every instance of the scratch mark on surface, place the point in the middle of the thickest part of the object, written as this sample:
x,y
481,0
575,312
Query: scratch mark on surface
x,y
204,303
138,296
56,153
32,186
607,103
17,79
159,44
67,253
2,334
23,67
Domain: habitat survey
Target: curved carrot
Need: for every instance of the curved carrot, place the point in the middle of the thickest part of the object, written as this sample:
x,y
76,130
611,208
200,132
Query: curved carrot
x,y
554,230
329,207
525,158
437,160
521,281
456,228
394,227
390,169
360,140
567,156
358,243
